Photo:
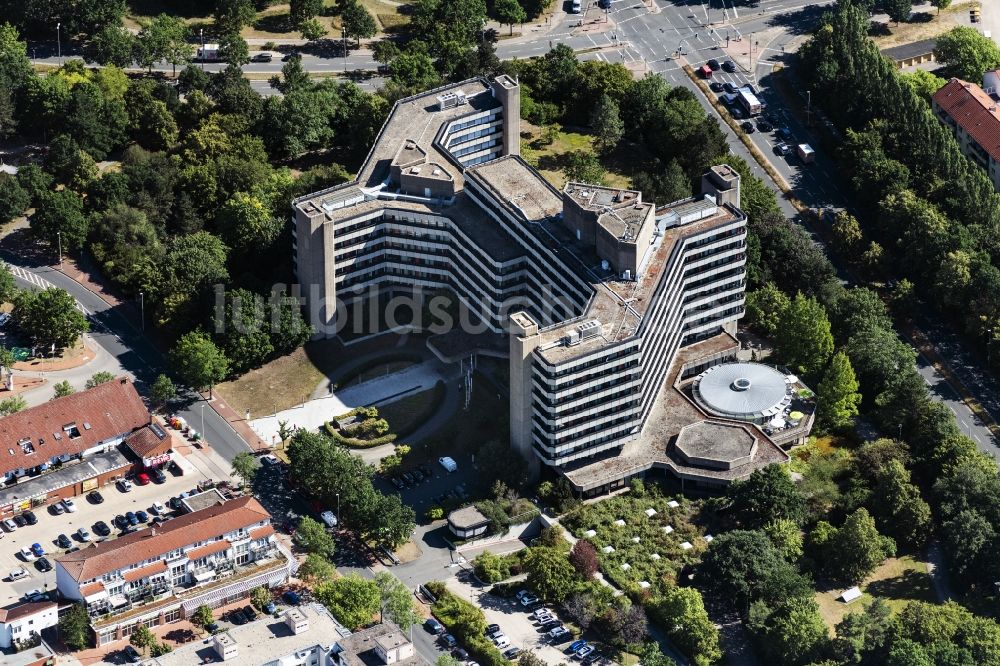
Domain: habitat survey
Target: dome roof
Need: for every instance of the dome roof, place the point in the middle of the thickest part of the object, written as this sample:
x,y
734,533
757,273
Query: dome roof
x,y
744,391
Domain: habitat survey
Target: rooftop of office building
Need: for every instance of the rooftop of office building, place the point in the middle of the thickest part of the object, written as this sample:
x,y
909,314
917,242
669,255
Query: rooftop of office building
x,y
712,450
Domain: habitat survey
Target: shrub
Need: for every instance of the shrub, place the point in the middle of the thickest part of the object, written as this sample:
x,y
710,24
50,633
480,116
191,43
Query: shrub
x,y
491,568
435,513
467,623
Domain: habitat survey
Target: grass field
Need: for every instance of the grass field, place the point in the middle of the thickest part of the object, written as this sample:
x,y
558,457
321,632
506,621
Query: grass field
x,y
406,414
549,159
897,582
926,25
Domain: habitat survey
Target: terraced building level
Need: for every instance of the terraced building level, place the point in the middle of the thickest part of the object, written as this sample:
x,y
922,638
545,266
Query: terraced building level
x,y
608,301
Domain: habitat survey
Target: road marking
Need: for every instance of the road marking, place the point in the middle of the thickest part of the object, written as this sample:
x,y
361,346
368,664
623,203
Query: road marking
x,y
41,283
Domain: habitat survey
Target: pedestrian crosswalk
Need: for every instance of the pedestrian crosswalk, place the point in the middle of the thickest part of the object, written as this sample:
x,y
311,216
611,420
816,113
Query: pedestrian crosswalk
x,y
40,282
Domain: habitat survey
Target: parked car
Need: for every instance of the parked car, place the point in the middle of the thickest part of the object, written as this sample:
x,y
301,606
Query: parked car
x,y
460,654
64,541
94,497
529,600
158,508
37,550
292,597
729,66
101,528
549,626
495,634
43,565
396,482
449,640
132,518
175,469
433,626
9,525
31,518
270,607
729,87
747,127
83,534
558,634
142,516
576,645
69,504
787,149
545,618
269,460
56,509
120,521
764,126
35,595
737,113
713,65
124,485
261,57
583,652
512,652
17,574
142,478
502,642
492,628
158,476
131,655
715,86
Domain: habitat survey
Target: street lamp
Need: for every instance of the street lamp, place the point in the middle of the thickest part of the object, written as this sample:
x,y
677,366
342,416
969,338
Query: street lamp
x,y
338,511
59,42
201,36
142,310
59,239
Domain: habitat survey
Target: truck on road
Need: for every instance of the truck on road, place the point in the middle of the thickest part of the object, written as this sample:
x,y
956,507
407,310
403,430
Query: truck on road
x,y
748,100
806,153
208,53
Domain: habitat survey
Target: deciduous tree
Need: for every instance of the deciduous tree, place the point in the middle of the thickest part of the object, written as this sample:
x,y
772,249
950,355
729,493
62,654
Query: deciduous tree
x,y
509,12
550,573
967,53
202,616
316,569
49,318
396,601
854,550
14,199
245,466
357,21
583,557
353,600
102,377
162,391
767,495
74,627
607,124
804,340
198,362
311,536
682,611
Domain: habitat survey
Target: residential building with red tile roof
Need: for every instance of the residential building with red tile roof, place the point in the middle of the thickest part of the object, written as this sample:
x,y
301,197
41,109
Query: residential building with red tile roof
x,y
67,446
163,573
73,426
974,116
18,621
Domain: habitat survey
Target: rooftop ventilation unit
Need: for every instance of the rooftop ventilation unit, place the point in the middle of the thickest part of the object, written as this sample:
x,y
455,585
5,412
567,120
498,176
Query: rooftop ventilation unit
x,y
450,100
589,329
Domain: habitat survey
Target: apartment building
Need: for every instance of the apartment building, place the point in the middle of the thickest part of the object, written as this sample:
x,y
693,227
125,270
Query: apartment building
x,y
974,117
158,575
45,445
597,289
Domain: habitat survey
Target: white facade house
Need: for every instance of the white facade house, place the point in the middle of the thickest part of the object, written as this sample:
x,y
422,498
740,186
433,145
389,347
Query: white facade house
x,y
160,574
19,621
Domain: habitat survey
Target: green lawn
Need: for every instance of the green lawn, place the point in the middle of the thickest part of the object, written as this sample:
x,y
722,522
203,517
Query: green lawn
x,y
549,159
897,582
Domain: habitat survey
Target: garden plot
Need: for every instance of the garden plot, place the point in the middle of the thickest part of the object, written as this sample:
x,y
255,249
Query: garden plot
x,y
640,541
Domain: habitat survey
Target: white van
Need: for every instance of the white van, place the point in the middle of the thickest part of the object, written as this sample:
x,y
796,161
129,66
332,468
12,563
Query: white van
x,y
329,519
576,7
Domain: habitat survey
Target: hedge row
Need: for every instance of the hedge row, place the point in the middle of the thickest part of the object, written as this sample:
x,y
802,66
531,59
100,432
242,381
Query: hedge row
x,y
354,442
466,623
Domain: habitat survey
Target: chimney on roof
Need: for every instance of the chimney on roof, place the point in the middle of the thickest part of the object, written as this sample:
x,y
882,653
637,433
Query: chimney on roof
x,y
124,380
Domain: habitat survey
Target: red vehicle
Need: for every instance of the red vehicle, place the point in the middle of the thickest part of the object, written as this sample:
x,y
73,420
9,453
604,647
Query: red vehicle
x,y
142,479
705,72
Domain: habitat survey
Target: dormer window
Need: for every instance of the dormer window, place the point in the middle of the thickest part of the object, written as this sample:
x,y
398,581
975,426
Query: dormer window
x,y
71,430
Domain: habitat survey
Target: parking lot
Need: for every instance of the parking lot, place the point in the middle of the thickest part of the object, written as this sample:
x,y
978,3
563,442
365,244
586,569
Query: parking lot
x,y
50,526
515,621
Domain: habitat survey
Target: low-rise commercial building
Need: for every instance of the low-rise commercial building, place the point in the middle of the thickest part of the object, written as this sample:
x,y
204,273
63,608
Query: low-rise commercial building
x,y
468,522
50,448
158,575
974,117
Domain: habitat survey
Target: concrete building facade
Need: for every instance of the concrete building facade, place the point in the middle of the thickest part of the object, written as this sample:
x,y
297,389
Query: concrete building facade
x,y
597,289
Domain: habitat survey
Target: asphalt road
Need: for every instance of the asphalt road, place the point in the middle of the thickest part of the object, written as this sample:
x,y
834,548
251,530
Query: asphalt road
x,y
115,333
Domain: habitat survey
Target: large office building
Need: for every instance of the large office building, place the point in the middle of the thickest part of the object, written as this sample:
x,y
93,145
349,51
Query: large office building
x,y
597,289
160,574
973,115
